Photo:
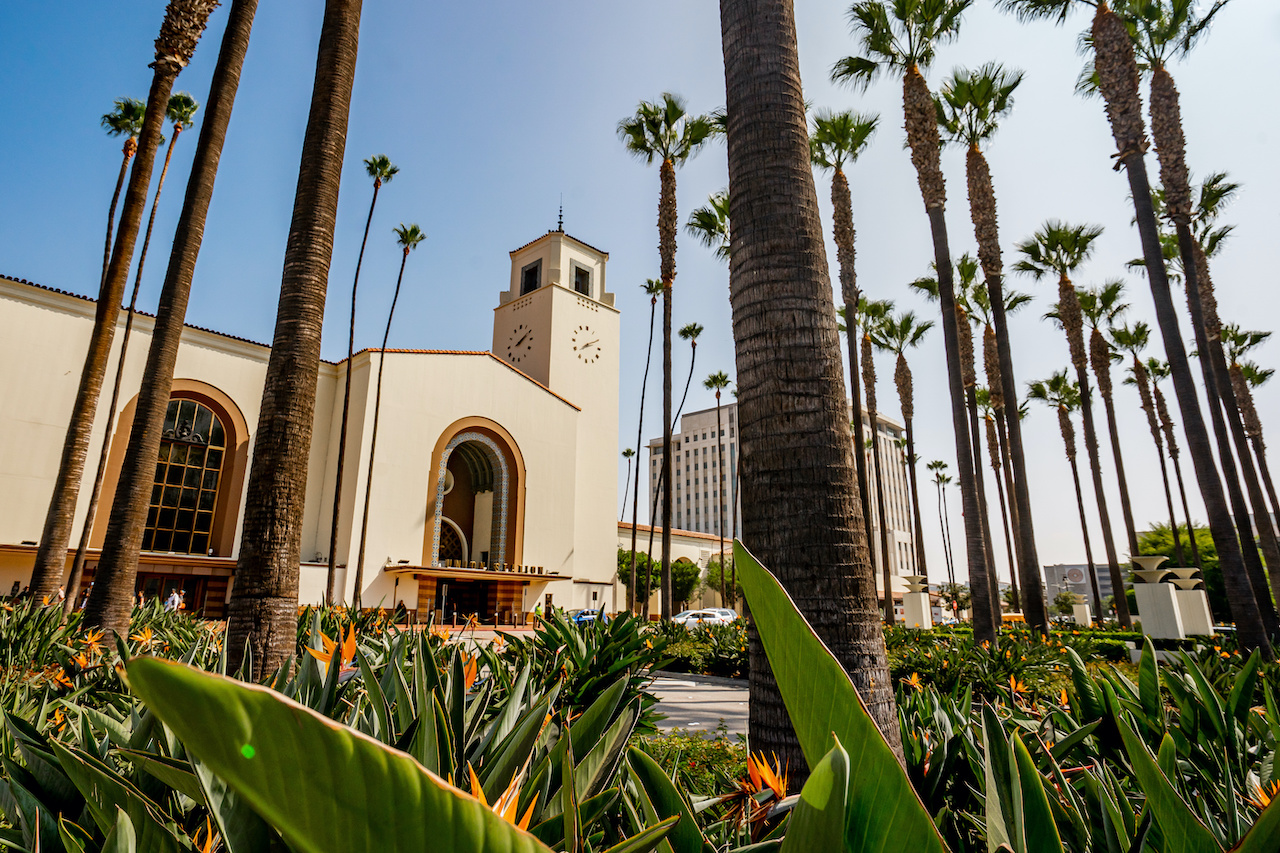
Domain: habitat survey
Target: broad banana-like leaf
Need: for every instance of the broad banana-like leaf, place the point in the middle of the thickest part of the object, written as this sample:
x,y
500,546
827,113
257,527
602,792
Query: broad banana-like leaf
x,y
1264,836
884,811
1149,686
283,759
121,839
1035,821
1182,830
645,841
174,773
818,820
241,828
666,801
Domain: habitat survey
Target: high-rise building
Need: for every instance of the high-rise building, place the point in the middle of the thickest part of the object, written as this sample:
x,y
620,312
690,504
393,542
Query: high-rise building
x,y
701,480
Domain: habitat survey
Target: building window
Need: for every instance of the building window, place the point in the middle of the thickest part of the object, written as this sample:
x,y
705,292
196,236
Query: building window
x,y
531,277
184,494
582,280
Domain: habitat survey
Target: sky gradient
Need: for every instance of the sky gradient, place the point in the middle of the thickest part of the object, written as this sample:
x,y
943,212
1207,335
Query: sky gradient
x,y
496,111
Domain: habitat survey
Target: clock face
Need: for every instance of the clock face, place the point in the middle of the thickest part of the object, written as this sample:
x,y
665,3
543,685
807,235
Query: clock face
x,y
519,343
586,344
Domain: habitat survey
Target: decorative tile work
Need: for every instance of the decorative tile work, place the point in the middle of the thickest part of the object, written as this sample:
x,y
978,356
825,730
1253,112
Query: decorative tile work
x,y
498,554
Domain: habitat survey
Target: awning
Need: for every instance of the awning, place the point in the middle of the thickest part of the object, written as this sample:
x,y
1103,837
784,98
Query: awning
x,y
520,573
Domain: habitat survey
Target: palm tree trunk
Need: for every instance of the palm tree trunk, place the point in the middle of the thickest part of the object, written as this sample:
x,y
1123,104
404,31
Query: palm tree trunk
x,y
95,493
737,484
51,557
906,397
945,516
635,498
130,148
1100,358
1014,520
721,479
1253,429
800,511
869,380
626,487
1143,381
1088,550
994,452
1117,71
922,137
330,590
667,244
982,209
1167,426
969,377
264,602
114,581
373,443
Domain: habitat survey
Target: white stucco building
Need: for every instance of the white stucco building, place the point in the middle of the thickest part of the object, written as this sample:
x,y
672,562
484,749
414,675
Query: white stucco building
x,y
494,480
700,480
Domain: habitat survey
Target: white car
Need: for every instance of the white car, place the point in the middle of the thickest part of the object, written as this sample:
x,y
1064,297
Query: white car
x,y
694,618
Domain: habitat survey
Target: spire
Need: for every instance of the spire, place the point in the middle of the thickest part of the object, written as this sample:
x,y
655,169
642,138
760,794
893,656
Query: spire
x,y
560,221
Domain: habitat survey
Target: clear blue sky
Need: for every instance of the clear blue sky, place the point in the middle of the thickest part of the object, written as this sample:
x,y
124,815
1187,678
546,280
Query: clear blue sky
x,y
493,111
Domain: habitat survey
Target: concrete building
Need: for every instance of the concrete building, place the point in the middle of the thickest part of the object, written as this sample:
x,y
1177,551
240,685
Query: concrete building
x,y
494,480
1075,578
700,480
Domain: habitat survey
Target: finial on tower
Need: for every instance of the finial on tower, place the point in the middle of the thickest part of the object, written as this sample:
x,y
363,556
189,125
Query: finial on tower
x,y
560,221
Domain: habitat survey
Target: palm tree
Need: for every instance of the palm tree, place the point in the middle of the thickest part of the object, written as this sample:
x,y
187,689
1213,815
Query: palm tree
x,y
117,565
380,168
627,454
1059,249
897,335
901,38
970,106
184,23
876,312
1061,394
181,113
654,289
125,120
263,611
942,479
1101,307
995,458
1159,370
1116,68
717,382
838,138
1244,377
1133,339
407,238
666,132
710,224
799,509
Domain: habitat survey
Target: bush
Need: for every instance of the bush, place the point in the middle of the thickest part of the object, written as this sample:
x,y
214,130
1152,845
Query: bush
x,y
705,650
703,766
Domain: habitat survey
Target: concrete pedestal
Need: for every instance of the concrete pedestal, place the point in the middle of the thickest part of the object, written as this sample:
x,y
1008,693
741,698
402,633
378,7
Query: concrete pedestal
x,y
917,613
1193,606
1158,608
1081,614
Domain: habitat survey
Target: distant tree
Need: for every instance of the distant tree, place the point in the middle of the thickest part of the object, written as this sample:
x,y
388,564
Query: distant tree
x,y
1159,540
1063,602
956,596
686,577
719,578
1010,597
647,566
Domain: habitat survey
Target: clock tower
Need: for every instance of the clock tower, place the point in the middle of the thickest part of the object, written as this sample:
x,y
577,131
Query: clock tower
x,y
556,323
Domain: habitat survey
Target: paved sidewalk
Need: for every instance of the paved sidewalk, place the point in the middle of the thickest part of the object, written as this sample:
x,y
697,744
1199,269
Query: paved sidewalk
x,y
700,705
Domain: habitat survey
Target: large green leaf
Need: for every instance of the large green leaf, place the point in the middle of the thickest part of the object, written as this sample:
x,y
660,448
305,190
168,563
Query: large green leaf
x,y
1035,820
885,812
667,801
1183,832
1264,837
818,820
323,786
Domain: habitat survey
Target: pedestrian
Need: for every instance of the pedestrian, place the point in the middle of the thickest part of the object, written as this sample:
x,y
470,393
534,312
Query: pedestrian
x,y
171,603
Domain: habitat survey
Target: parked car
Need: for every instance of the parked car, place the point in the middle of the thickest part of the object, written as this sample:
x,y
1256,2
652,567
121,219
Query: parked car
x,y
694,618
583,617
728,613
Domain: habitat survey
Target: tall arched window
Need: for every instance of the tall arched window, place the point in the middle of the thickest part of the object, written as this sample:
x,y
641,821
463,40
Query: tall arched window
x,y
185,493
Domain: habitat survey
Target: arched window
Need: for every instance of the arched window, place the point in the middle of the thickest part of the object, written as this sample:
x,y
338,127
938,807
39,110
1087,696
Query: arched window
x,y
185,492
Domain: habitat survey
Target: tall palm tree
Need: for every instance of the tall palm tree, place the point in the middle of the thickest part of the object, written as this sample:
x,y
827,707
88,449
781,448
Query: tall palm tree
x,y
901,38
1117,72
116,575
654,289
897,335
1060,249
380,168
181,113
184,23
970,106
1061,394
799,512
666,132
941,479
125,120
1244,377
1159,370
407,238
710,224
840,138
995,458
1101,307
1133,340
966,286
717,382
263,609
628,455
876,312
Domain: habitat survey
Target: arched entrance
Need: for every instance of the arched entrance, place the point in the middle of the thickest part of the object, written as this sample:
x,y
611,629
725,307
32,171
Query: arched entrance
x,y
473,486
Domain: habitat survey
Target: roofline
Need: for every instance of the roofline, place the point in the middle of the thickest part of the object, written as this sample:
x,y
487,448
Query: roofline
x,y
562,234
675,531
512,368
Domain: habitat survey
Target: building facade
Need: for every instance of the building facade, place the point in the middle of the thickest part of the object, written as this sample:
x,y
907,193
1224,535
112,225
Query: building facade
x,y
493,483
1075,578
702,479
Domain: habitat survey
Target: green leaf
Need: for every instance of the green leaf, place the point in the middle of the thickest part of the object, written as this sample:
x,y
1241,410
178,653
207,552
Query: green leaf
x,y
1264,837
1149,686
322,785
242,830
822,701
175,774
645,841
1036,818
818,820
121,838
1241,697
1085,688
1182,831
667,801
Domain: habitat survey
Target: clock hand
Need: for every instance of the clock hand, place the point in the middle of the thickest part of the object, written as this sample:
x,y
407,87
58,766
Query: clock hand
x,y
522,337
591,343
